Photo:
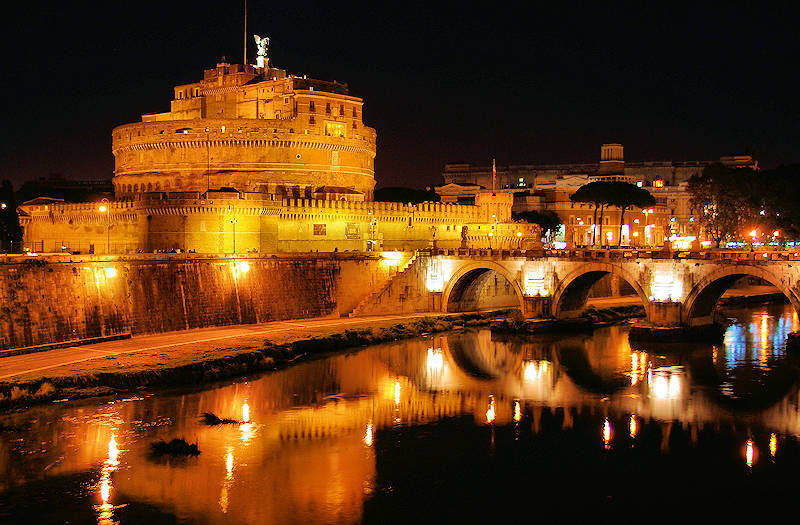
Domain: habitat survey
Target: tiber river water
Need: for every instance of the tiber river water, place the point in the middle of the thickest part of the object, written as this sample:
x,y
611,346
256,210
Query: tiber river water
x,y
464,427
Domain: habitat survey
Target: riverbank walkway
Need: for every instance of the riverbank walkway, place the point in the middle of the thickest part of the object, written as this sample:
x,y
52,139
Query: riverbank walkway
x,y
182,347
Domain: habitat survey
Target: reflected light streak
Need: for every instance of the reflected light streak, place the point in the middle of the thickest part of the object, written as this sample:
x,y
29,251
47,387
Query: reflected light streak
x,y
397,393
607,433
634,426
246,412
435,362
490,413
368,435
773,444
247,426
105,511
517,411
749,453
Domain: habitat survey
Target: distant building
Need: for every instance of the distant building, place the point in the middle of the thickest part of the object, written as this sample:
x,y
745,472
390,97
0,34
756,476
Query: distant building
x,y
549,186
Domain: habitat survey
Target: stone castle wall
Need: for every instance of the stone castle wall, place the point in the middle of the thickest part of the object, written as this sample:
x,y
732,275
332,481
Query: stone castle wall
x,y
68,298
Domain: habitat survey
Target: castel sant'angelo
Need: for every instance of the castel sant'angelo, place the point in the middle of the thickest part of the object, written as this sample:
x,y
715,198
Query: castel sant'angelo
x,y
252,159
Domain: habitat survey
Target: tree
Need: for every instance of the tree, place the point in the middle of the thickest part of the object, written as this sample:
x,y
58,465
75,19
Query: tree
x,y
599,194
548,220
726,199
625,196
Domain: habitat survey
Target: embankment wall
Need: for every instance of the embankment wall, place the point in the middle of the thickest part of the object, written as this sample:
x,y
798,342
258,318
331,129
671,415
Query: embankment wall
x,y
69,298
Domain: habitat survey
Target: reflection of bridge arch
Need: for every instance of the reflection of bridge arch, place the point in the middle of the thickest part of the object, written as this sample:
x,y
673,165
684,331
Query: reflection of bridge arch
x,y
701,299
461,293
569,297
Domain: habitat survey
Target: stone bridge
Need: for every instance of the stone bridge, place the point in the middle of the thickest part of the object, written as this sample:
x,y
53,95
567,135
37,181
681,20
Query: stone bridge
x,y
676,288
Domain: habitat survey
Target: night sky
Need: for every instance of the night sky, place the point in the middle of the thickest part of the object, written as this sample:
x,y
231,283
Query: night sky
x,y
542,84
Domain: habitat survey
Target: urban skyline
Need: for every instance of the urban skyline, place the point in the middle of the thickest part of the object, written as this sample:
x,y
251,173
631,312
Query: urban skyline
x,y
536,86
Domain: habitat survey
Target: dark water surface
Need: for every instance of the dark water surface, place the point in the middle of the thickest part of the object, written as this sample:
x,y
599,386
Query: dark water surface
x,y
463,427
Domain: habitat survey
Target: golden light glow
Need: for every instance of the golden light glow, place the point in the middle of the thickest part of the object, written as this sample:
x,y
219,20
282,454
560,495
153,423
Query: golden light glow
x,y
246,412
749,453
634,427
517,411
490,412
773,444
397,393
229,465
111,273
368,435
435,361
105,511
607,433
103,208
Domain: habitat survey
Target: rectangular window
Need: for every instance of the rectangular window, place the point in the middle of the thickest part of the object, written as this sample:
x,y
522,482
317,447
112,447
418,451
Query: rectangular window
x,y
328,108
355,113
311,120
341,110
658,183
320,229
335,129
311,107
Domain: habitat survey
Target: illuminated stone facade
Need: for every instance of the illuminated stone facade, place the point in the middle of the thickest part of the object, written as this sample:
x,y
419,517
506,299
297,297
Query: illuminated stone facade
x,y
254,160
252,129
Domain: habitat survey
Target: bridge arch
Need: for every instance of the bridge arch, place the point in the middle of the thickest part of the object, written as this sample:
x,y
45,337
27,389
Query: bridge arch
x,y
463,287
704,295
569,297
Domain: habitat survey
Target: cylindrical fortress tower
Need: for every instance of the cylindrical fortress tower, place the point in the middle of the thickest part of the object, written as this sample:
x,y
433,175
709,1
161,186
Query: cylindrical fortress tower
x,y
252,129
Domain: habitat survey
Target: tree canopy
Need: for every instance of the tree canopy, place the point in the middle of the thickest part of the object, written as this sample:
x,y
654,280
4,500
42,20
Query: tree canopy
x,y
602,194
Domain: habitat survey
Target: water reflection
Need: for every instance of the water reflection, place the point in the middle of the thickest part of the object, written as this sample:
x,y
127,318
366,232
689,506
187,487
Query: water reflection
x,y
314,441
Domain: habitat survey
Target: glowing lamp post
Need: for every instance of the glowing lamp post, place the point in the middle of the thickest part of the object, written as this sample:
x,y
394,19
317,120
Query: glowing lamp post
x,y
519,240
105,208
491,234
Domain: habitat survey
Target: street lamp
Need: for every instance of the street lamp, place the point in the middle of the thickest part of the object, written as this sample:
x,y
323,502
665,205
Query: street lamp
x,y
647,212
519,240
233,222
106,208
491,234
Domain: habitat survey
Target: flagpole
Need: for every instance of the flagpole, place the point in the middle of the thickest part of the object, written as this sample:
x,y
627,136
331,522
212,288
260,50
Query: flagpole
x,y
494,175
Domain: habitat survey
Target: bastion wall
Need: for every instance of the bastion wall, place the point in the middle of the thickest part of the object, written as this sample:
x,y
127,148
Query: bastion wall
x,y
59,299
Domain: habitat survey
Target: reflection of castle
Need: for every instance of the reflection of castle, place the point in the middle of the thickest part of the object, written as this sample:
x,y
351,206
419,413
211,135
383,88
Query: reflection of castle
x,y
254,159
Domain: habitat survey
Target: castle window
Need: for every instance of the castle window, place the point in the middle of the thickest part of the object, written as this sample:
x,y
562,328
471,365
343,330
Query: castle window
x,y
311,107
355,113
334,129
328,108
311,120
658,183
341,109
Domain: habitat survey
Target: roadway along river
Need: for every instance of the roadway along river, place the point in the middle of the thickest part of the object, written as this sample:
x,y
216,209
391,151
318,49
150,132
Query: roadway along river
x,y
461,427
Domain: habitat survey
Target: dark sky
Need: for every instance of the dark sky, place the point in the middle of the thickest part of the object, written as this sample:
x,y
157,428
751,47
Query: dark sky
x,y
448,83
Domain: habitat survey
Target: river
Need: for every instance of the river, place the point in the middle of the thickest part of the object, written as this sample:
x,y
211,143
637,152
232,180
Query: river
x,y
458,427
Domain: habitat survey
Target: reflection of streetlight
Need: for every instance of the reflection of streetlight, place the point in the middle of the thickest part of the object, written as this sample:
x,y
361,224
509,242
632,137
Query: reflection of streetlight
x,y
105,208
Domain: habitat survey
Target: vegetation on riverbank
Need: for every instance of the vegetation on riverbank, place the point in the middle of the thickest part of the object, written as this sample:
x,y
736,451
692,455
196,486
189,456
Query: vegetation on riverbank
x,y
591,318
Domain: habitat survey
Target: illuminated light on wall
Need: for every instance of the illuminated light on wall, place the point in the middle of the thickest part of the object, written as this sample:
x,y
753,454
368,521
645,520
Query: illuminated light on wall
x,y
243,266
535,285
110,273
626,230
665,287
607,433
490,412
682,243
435,279
391,258
435,361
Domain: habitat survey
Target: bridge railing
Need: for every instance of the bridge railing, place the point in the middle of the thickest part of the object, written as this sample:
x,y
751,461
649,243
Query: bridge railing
x,y
620,254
